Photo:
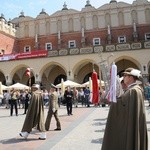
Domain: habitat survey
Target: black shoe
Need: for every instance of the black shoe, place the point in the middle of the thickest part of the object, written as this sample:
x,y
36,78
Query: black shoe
x,y
42,138
57,129
47,129
71,114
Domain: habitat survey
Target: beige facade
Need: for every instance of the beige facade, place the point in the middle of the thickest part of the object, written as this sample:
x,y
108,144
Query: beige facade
x,y
75,67
107,23
115,14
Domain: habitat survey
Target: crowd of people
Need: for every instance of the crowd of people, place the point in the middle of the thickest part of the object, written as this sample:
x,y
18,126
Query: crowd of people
x,y
35,114
17,99
21,98
34,100
130,105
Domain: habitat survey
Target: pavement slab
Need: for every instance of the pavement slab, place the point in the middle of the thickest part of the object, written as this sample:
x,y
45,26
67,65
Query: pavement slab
x,y
83,130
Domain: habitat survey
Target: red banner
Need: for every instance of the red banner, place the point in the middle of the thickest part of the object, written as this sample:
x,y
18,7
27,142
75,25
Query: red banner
x,y
95,88
17,56
33,54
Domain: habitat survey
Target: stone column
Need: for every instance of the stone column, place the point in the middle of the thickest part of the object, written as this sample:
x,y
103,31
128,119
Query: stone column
x,y
38,78
8,80
70,75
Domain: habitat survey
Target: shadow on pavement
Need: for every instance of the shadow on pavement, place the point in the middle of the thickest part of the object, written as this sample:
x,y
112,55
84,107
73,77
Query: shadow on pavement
x,y
99,123
97,141
4,116
100,119
100,130
17,140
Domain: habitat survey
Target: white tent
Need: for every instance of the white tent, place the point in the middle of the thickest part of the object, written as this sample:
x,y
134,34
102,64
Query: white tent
x,y
68,83
18,86
62,86
4,87
1,90
88,83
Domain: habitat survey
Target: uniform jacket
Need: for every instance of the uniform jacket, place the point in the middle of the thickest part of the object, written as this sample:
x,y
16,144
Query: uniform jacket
x,y
126,124
35,113
53,103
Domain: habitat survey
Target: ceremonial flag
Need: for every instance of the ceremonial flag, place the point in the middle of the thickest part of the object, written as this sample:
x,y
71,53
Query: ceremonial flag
x,y
113,81
95,88
62,86
90,88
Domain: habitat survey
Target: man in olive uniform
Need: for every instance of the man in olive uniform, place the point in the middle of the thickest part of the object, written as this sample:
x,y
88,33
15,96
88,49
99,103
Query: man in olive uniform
x,y
35,114
126,124
53,109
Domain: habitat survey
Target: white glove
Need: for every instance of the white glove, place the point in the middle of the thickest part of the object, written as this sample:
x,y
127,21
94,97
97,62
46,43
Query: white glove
x,y
53,110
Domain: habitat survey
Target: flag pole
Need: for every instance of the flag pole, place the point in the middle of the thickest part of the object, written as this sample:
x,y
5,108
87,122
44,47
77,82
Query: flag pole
x,y
30,81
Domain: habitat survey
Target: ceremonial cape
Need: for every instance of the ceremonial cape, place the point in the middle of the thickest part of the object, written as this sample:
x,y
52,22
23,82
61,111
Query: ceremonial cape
x,y
35,113
126,124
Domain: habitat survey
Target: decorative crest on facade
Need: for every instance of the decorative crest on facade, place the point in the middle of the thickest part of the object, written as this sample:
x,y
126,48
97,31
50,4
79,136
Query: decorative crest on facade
x,y
65,6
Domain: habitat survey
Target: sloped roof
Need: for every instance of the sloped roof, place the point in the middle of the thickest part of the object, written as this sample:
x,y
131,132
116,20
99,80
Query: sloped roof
x,y
18,19
111,5
42,14
88,8
64,12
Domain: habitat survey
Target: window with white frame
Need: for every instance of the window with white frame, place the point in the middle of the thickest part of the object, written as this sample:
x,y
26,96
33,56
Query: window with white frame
x,y
72,44
121,39
147,36
27,48
48,46
96,41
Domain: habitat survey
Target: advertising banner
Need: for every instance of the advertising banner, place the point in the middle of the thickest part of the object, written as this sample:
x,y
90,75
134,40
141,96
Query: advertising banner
x,y
32,54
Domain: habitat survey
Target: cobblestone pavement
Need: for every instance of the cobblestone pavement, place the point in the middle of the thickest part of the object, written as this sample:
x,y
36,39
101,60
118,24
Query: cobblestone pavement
x,y
82,131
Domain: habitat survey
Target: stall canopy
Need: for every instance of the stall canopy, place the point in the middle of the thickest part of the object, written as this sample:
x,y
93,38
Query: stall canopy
x,y
4,87
18,86
88,83
68,83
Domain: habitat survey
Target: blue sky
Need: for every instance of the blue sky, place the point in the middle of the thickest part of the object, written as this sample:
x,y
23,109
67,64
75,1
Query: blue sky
x,y
12,8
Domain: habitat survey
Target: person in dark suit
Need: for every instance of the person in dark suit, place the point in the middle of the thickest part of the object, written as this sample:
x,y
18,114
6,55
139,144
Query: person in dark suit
x,y
53,109
87,96
68,95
